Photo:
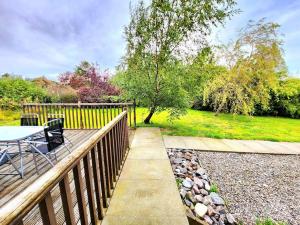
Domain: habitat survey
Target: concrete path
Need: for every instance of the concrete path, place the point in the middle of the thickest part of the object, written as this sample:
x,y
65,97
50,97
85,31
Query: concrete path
x,y
146,192
228,145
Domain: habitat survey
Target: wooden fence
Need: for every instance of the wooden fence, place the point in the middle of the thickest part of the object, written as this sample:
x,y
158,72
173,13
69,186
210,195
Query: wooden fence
x,y
93,168
81,115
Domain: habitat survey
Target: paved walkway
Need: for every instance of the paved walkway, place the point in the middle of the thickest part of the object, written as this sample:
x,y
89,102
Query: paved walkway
x,y
146,193
227,145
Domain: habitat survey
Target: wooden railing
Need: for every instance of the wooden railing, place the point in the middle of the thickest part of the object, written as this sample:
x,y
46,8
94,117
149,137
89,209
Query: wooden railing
x,y
92,168
82,115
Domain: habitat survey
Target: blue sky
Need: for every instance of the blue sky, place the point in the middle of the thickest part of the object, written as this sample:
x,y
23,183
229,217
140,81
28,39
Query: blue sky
x,y
39,37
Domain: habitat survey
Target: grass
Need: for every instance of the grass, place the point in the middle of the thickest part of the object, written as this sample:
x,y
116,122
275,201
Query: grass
x,y
206,124
214,188
268,221
9,118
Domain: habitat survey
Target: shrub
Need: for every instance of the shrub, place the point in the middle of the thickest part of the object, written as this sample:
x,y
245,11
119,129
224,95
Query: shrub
x,y
288,98
14,91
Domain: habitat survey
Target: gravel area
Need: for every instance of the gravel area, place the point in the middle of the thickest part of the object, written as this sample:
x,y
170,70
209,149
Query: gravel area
x,y
256,185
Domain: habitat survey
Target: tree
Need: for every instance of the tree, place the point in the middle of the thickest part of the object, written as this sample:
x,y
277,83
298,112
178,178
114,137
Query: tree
x,y
199,72
91,85
152,72
255,66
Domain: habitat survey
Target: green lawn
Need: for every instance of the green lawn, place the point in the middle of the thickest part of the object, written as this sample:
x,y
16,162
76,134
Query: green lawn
x,y
9,118
206,124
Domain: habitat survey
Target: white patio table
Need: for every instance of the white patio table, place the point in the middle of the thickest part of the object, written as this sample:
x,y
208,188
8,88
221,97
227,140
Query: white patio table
x,y
14,135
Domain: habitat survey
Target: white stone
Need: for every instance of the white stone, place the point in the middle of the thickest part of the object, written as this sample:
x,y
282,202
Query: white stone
x,y
207,186
200,209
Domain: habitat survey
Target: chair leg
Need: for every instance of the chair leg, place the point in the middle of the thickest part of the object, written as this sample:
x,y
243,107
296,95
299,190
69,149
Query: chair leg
x,y
36,149
35,163
55,156
68,140
67,148
5,153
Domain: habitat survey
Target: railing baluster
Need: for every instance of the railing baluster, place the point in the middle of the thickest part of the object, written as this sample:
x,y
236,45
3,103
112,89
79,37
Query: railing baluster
x,y
107,119
114,140
47,210
112,156
19,222
117,131
80,194
108,175
66,198
89,177
103,179
97,182
110,110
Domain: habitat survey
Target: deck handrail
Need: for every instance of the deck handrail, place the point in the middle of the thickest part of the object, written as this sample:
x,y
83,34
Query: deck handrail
x,y
106,149
82,115
82,104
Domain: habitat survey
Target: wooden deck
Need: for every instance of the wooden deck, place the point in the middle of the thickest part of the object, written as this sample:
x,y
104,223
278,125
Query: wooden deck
x,y
11,185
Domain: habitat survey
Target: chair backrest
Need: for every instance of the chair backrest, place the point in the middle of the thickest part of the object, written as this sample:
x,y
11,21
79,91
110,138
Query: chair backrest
x,y
54,133
56,116
29,120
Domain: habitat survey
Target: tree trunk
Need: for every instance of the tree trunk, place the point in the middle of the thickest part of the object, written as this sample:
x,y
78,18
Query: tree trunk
x,y
148,118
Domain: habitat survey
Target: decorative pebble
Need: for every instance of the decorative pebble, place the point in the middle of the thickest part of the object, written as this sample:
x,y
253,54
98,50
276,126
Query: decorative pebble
x,y
200,209
216,199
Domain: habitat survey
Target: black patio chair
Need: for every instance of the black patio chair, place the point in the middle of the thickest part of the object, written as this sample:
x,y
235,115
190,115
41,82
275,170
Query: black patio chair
x,y
62,118
48,145
56,116
30,119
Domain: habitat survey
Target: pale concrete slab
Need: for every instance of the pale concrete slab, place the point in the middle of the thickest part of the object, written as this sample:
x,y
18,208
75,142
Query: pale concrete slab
x,y
146,169
228,145
215,144
237,145
192,143
146,153
146,192
140,220
175,142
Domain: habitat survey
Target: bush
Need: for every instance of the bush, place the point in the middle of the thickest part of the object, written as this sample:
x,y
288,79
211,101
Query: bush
x,y
14,91
285,101
288,98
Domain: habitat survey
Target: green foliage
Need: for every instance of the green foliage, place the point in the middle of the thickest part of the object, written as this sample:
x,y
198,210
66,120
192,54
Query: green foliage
x,y
151,70
14,91
214,188
269,221
288,98
202,70
255,67
179,182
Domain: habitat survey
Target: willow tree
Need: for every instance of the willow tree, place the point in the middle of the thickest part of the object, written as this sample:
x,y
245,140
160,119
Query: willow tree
x,y
255,66
153,74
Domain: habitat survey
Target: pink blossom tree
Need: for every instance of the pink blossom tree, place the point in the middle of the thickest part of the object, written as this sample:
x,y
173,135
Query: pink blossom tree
x,y
91,84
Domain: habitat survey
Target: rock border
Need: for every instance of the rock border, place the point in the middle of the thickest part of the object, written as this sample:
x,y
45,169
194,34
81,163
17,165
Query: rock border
x,y
201,203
